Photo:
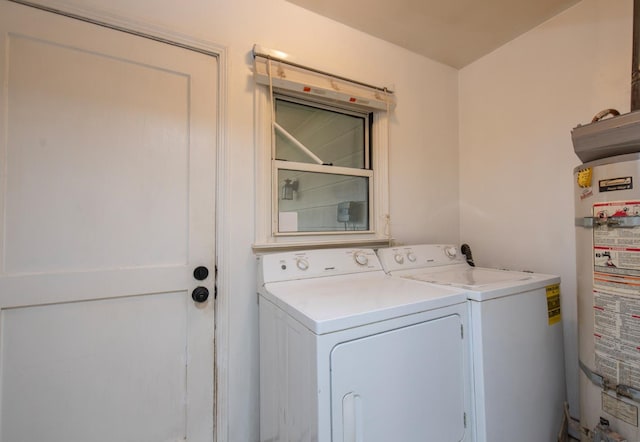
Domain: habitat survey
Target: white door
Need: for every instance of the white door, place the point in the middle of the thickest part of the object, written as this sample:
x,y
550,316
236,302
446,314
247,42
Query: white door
x,y
107,151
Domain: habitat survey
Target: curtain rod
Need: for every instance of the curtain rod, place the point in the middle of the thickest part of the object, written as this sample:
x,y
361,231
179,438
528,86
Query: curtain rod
x,y
271,54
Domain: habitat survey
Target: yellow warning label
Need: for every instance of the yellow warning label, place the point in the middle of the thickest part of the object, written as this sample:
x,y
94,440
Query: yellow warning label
x,y
553,303
584,177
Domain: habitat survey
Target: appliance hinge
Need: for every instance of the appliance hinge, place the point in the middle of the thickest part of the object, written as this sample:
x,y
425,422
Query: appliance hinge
x,y
461,331
464,419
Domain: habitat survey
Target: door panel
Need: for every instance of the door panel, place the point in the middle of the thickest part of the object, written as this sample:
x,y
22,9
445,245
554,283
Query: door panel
x,y
132,121
66,367
107,205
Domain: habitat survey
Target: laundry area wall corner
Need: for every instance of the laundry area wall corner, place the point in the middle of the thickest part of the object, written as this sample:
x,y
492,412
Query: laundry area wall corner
x,y
517,108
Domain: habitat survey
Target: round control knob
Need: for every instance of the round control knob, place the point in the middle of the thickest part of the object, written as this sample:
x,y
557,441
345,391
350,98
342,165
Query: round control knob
x,y
398,258
361,258
411,257
451,252
302,264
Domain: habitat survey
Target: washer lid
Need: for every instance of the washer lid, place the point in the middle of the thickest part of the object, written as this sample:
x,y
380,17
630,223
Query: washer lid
x,y
330,304
482,283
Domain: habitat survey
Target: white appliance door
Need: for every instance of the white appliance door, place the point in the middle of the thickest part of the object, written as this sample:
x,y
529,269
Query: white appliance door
x,y
107,154
607,204
402,385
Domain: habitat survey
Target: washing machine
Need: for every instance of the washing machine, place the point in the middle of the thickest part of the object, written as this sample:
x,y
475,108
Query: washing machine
x,y
350,354
516,340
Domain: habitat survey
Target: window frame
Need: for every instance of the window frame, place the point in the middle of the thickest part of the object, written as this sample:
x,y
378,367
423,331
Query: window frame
x,y
366,171
327,170
267,237
347,110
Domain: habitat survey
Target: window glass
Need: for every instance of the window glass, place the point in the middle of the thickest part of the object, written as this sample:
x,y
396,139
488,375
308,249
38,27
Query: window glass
x,y
320,135
322,202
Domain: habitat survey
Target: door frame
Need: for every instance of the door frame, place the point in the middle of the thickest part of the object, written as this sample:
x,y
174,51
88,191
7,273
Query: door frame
x,y
221,306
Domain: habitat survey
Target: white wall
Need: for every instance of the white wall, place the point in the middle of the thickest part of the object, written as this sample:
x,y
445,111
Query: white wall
x,y
517,108
423,141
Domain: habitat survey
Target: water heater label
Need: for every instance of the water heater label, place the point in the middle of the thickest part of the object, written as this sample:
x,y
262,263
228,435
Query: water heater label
x,y
613,184
616,297
622,410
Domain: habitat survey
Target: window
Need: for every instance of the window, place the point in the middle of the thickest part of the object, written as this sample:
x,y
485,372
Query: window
x,y
323,177
321,158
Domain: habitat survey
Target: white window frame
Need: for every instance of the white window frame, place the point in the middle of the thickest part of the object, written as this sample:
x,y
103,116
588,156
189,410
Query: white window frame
x,y
366,172
267,237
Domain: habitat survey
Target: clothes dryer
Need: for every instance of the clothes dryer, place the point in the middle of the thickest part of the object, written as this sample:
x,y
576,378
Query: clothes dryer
x,y
516,340
348,353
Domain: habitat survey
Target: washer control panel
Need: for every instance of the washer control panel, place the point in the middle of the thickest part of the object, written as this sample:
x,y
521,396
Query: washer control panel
x,y
419,256
315,263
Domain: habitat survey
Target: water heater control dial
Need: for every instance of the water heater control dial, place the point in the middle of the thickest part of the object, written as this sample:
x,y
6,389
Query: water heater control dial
x,y
361,258
398,258
302,264
451,252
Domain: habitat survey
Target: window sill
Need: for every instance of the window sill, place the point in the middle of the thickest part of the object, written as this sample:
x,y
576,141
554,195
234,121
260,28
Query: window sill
x,y
372,243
